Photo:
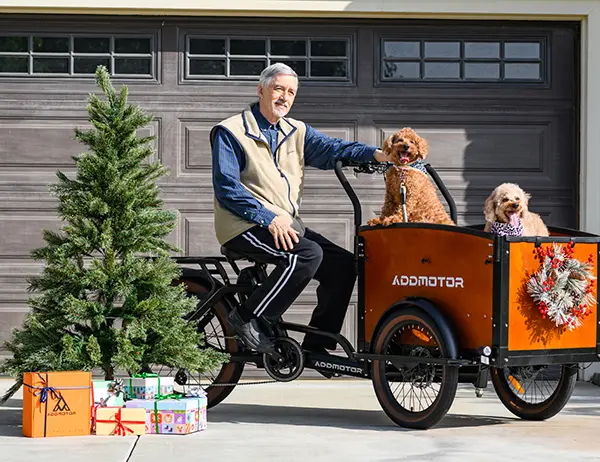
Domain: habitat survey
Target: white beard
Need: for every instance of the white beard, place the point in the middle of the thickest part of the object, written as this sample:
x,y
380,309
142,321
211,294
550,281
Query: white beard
x,y
279,111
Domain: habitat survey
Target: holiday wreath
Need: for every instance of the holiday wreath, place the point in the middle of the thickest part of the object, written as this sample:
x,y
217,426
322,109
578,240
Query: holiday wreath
x,y
563,286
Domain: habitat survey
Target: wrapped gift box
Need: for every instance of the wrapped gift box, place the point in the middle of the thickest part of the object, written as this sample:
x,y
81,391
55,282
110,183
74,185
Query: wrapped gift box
x,y
108,393
173,416
56,403
147,386
120,421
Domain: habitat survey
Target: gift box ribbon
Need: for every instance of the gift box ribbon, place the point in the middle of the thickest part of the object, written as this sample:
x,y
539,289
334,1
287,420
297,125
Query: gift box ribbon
x,y
116,387
120,428
44,390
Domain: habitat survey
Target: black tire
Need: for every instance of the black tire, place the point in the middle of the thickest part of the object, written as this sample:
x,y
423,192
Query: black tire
x,y
545,409
396,324
229,373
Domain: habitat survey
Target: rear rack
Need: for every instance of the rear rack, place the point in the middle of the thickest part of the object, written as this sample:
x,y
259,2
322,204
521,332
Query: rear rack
x,y
212,266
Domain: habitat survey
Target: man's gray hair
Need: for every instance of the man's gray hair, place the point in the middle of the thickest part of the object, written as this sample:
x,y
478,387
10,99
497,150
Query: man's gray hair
x,y
269,73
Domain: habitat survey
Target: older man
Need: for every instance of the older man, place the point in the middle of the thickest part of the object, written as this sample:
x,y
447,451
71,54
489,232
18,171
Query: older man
x,y
259,157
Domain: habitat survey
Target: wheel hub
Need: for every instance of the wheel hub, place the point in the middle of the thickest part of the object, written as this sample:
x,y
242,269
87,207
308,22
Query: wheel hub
x,y
422,375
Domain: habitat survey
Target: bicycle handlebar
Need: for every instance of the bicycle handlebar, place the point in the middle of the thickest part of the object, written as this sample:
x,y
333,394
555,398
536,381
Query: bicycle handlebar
x,y
442,187
351,194
382,167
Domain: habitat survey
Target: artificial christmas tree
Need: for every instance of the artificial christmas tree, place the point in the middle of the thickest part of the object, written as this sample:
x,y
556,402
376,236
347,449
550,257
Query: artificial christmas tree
x,y
106,295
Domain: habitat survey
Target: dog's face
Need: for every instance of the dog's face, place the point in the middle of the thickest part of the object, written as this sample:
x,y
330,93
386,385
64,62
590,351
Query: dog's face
x,y
507,203
405,146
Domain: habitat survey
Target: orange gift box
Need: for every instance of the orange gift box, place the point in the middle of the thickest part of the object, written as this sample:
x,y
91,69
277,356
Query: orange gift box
x,y
120,421
56,403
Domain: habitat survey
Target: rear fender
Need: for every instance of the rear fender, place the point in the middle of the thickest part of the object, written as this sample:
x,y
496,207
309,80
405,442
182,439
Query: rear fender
x,y
192,276
430,309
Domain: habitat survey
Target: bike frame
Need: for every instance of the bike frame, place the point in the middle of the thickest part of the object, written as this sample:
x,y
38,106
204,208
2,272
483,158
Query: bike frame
x,y
356,361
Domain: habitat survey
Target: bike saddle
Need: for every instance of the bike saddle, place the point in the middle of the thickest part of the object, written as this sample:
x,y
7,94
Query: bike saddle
x,y
232,254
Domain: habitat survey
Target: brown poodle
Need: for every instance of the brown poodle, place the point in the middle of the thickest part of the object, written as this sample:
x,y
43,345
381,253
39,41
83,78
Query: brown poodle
x,y
422,203
507,212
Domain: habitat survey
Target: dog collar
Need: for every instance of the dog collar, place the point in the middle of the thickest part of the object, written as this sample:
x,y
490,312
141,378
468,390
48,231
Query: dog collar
x,y
506,229
417,165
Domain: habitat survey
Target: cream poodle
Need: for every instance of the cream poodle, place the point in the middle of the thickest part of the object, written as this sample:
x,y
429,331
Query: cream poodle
x,y
507,213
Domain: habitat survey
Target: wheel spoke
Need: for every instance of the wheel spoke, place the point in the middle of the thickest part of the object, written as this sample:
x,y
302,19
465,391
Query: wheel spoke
x,y
413,340
536,386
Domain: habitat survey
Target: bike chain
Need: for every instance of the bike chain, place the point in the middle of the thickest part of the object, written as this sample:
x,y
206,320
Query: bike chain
x,y
258,382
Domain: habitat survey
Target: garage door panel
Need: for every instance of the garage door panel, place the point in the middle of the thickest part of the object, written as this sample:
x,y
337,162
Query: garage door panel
x,y
21,233
38,143
194,154
197,234
197,229
485,147
344,129
10,316
14,288
480,154
30,146
334,227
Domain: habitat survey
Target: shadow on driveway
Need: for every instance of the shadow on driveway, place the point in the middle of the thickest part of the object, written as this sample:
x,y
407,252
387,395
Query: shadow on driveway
x,y
339,418
11,418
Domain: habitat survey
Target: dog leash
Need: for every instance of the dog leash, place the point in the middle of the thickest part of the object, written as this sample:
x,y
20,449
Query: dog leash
x,y
403,196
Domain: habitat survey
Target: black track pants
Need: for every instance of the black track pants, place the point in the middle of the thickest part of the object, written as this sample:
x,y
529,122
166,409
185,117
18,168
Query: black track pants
x,y
313,257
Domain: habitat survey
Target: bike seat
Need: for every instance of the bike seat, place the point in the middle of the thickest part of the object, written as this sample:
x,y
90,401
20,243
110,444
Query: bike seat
x,y
231,254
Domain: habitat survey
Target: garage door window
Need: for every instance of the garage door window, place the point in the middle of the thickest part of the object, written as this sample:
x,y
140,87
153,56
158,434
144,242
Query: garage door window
x,y
124,56
464,60
245,58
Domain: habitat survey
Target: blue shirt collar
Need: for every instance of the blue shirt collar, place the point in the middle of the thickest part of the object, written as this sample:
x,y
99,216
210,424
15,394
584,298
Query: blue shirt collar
x,y
263,123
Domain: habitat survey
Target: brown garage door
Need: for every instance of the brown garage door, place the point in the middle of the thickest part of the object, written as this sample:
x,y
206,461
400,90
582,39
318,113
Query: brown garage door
x,y
497,102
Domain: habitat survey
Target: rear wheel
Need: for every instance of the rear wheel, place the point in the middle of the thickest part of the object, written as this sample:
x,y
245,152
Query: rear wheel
x,y
535,392
219,335
413,395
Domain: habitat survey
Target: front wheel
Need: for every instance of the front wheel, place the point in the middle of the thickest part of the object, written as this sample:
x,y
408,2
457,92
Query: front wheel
x,y
534,392
413,395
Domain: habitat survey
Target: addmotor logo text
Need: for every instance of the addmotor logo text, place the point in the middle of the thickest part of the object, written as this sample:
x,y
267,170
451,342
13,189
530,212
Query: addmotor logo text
x,y
428,281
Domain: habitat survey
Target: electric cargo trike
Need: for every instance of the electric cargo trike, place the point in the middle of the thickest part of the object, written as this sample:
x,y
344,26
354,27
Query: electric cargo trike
x,y
438,305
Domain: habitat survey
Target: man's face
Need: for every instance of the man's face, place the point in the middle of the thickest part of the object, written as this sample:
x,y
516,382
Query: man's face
x,y
276,100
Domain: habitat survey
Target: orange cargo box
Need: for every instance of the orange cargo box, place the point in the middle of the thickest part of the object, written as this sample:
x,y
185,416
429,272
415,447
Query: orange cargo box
x,y
56,403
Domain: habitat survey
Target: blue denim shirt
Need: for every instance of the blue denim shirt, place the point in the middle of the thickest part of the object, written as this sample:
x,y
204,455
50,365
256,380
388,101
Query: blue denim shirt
x,y
320,151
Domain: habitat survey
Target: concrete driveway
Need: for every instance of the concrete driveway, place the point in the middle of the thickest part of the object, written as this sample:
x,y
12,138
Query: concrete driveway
x,y
336,420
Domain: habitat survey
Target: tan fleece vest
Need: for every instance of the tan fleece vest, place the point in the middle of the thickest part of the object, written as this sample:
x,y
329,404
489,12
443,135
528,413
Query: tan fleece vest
x,y
278,186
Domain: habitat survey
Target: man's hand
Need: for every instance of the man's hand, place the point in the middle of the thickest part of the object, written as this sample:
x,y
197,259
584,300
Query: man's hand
x,y
380,156
283,233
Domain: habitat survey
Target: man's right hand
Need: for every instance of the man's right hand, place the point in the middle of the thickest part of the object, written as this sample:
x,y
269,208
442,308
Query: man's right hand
x,y
283,233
